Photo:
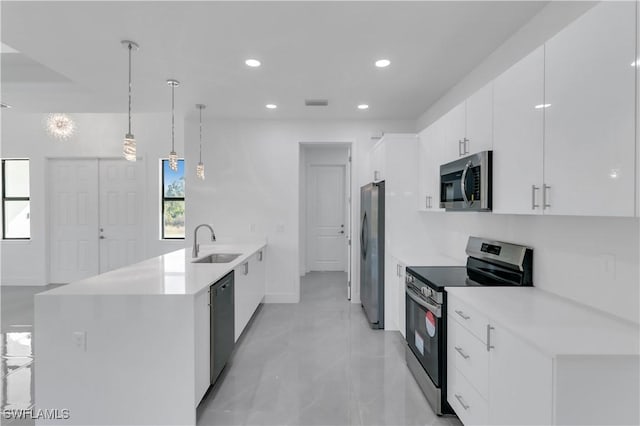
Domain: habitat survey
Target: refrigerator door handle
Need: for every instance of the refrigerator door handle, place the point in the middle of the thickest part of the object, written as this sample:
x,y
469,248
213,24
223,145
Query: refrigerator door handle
x,y
364,236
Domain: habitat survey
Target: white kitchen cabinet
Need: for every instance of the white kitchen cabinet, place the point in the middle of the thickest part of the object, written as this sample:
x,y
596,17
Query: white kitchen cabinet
x,y
520,381
589,148
479,121
202,326
518,132
453,133
378,161
394,300
552,369
430,157
249,285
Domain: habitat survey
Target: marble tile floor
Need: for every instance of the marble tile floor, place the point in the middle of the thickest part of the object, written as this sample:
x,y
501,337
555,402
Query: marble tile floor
x,y
317,363
312,363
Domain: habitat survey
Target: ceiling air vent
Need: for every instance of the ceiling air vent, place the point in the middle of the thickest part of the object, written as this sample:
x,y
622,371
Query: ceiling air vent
x,y
316,102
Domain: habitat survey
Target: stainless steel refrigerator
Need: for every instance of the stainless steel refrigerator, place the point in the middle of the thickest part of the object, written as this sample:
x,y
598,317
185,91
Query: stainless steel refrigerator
x,y
372,252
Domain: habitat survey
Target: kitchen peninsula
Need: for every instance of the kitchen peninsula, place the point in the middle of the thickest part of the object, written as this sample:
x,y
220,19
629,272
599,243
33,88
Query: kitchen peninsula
x,y
131,346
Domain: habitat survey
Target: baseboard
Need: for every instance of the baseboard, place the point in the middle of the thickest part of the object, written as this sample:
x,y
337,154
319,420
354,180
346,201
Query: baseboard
x,y
281,298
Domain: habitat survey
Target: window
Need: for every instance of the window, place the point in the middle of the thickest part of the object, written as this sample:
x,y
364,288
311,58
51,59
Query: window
x,y
15,200
172,201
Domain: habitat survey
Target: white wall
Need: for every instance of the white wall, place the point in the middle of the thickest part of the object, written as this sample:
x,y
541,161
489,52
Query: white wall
x,y
592,260
314,155
98,135
252,186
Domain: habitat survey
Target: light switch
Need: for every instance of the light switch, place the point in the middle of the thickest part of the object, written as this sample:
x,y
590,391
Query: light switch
x,y
80,340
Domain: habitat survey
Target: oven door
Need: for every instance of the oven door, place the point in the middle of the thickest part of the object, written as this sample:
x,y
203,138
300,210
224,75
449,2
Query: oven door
x,y
425,333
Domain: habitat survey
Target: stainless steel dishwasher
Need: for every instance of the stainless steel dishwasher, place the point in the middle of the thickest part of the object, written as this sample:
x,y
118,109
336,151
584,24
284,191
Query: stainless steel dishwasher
x,y
222,323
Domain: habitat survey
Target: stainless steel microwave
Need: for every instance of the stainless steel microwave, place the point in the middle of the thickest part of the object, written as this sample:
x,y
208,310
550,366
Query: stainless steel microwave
x,y
465,184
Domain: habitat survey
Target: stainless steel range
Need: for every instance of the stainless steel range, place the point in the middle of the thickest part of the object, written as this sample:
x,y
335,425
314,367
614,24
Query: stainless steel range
x,y
489,263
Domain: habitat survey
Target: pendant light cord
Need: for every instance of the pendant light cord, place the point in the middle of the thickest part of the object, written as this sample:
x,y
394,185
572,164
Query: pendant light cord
x,y
173,88
130,47
201,134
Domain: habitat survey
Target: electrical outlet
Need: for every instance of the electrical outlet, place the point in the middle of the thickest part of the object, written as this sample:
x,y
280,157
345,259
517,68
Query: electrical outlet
x,y
80,340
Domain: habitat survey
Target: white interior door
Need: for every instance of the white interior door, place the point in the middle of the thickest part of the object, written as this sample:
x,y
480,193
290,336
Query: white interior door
x,y
327,218
73,220
120,213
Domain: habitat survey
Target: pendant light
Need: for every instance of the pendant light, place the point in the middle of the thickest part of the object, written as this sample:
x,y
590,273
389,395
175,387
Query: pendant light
x,y
173,157
200,166
129,144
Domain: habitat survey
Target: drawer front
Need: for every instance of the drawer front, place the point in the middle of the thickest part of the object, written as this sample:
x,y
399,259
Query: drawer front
x,y
470,407
470,356
468,317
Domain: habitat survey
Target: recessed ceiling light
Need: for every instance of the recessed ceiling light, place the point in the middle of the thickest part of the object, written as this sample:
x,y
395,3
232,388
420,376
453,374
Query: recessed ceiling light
x,y
540,106
363,106
253,63
271,106
382,63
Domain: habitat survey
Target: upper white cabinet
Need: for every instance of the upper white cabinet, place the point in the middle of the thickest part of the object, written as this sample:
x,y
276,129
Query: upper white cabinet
x,y
378,161
430,157
518,132
453,133
479,121
589,148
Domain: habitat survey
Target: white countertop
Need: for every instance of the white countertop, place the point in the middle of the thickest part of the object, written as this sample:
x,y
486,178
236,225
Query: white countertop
x,y
169,274
554,325
411,259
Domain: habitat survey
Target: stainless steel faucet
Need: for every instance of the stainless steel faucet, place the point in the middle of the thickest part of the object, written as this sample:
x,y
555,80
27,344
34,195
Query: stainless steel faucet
x,y
196,246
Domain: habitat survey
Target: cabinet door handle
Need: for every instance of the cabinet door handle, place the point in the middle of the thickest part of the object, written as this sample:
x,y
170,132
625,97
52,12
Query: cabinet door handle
x,y
461,352
545,196
426,202
260,256
246,268
465,146
461,401
489,345
464,317
460,148
534,205
376,175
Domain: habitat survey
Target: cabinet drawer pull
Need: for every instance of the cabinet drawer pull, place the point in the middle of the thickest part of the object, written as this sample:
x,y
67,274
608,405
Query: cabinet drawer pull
x,y
545,196
464,317
461,401
461,352
489,345
534,205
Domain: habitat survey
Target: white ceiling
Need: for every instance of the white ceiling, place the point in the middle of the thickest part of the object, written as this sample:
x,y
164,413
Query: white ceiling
x,y
69,57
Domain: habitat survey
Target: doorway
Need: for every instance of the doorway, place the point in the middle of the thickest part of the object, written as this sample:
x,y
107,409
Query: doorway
x,y
95,216
325,210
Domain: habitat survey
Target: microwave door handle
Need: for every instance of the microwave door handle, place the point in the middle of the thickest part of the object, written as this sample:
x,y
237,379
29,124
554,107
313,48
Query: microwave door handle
x,y
463,183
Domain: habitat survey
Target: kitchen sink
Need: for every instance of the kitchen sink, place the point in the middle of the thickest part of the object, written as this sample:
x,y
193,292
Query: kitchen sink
x,y
218,258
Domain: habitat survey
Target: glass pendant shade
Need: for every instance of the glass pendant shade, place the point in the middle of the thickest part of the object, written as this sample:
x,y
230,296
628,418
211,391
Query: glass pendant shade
x,y
129,147
200,171
173,161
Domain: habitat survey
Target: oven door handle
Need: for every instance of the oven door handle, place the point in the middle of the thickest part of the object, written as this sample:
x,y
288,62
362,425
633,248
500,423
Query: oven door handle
x,y
435,309
463,183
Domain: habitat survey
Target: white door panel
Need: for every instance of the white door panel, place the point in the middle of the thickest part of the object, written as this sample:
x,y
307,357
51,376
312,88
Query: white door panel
x,y
328,219
120,213
73,220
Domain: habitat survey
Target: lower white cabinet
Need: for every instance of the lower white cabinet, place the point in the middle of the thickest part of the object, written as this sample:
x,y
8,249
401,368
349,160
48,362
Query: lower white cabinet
x,y
497,377
394,294
202,326
249,285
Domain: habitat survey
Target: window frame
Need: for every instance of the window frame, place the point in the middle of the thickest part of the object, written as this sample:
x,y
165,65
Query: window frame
x,y
5,199
163,199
